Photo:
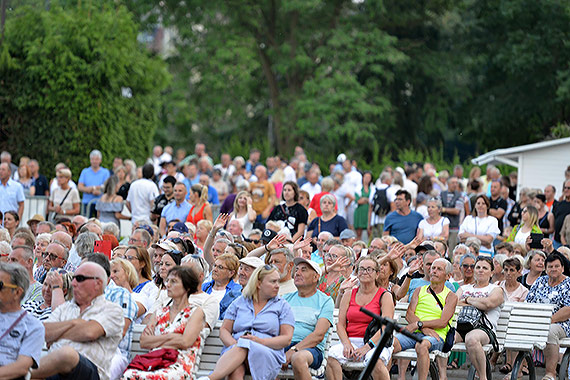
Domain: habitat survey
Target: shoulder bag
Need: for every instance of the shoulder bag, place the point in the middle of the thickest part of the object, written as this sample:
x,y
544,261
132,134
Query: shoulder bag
x,y
450,337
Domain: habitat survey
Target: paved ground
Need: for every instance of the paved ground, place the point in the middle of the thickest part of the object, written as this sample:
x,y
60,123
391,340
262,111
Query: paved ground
x,y
461,374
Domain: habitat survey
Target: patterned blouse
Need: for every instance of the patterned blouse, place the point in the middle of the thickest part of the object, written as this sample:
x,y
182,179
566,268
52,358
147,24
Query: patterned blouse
x,y
542,292
330,289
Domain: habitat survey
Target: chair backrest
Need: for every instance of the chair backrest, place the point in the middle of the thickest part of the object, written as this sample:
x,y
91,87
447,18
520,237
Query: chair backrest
x,y
528,326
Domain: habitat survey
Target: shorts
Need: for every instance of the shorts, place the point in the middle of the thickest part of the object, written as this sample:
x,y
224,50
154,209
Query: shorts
x,y
555,334
336,352
407,343
84,370
317,355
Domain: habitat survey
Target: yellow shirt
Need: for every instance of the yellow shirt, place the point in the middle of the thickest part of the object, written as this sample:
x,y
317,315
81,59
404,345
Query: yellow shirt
x,y
427,308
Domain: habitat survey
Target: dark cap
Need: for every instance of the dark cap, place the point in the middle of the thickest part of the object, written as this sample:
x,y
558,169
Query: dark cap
x,y
267,236
427,246
180,227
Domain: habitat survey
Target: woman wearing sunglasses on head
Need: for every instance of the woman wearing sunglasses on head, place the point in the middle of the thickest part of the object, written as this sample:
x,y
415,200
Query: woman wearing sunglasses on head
x,y
169,260
176,326
146,292
257,327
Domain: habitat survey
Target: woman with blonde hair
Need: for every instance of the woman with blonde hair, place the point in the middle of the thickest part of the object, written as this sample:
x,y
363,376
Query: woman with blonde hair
x,y
64,200
203,228
124,274
528,225
200,207
243,211
257,326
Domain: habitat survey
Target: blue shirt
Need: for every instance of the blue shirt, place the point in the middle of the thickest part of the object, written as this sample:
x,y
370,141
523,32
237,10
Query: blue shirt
x,y
89,177
26,338
189,183
307,312
403,227
11,195
173,211
208,286
123,298
419,282
335,226
213,195
229,297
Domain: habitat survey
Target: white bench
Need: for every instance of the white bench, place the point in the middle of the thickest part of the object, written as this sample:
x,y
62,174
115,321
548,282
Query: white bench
x,y
527,329
563,371
213,347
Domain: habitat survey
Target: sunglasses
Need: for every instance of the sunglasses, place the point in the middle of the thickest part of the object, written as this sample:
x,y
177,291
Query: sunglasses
x,y
269,267
174,252
468,266
199,259
52,256
11,286
81,278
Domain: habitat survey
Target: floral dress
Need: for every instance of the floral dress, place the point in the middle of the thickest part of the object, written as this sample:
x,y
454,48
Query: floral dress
x,y
186,360
330,289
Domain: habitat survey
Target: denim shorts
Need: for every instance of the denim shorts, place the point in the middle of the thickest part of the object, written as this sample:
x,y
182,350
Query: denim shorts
x,y
317,355
407,343
84,370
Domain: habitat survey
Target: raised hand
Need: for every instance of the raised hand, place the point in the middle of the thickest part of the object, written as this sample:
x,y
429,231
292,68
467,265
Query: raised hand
x,y
221,221
301,243
340,263
397,251
277,242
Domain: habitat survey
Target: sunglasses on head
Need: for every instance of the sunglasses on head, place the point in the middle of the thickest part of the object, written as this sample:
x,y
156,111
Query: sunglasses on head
x,y
199,259
174,252
269,267
81,278
11,286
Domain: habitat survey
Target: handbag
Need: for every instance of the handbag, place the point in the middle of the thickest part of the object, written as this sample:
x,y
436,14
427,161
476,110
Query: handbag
x,y
157,359
471,318
450,337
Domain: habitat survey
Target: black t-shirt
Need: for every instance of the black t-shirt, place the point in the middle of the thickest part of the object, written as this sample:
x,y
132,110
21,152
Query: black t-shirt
x,y
515,215
160,202
560,210
124,190
497,204
41,184
293,216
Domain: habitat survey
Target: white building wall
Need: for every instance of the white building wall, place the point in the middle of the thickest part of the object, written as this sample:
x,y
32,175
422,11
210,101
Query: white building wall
x,y
545,166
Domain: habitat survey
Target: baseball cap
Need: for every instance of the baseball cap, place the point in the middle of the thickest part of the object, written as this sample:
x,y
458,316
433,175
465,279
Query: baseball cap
x,y
167,245
252,261
311,263
347,234
180,227
425,246
267,236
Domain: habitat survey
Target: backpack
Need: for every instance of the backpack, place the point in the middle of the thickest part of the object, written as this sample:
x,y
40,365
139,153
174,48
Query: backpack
x,y
380,204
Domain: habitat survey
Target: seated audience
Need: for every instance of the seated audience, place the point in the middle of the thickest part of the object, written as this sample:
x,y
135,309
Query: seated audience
x,y
257,327
42,308
339,263
146,292
282,259
246,267
169,260
534,263
435,225
223,273
176,326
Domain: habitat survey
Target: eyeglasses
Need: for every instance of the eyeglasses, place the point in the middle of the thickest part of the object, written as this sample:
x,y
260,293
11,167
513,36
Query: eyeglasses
x,y
365,270
131,258
468,266
269,267
11,286
566,187
133,240
50,255
329,256
219,267
81,278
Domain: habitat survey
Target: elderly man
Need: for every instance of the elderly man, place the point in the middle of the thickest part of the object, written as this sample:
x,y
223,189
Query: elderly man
x,y
427,319
83,333
91,181
178,209
11,192
140,238
235,228
283,258
246,268
347,237
142,194
22,334
24,255
78,221
319,254
313,312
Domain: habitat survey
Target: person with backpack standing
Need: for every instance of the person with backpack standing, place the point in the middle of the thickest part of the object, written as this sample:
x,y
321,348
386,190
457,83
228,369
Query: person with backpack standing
x,y
381,203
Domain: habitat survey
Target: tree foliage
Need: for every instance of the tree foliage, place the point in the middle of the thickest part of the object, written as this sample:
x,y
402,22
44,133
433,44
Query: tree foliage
x,y
76,79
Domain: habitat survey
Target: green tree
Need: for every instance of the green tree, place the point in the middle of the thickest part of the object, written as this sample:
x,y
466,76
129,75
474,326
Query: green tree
x,y
76,79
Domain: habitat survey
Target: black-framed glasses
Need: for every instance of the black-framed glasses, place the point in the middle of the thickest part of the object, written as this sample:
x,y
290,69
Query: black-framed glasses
x,y
11,286
81,278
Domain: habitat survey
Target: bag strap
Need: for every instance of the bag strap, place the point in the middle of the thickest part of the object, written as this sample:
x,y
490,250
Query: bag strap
x,y
13,325
437,299
64,198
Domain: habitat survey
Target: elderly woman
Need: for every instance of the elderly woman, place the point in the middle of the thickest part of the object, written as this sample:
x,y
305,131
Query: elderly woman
x,y
257,326
290,211
200,207
329,220
42,241
553,289
489,299
203,228
176,326
124,274
528,225
534,262
243,211
480,225
467,264
42,308
145,292
64,200
352,323
498,273
435,225
223,273
339,263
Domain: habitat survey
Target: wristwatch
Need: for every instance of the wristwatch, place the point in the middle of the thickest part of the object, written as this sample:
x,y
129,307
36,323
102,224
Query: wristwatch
x,y
294,348
420,325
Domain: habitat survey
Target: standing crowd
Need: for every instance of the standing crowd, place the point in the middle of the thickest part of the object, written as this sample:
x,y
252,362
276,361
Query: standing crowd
x,y
271,251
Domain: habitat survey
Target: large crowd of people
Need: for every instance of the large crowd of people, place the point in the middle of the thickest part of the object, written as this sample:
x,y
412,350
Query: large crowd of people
x,y
270,250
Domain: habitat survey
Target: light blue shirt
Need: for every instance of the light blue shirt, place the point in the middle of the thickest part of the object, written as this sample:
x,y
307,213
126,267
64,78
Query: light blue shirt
x,y
89,177
11,195
403,227
173,211
307,311
123,298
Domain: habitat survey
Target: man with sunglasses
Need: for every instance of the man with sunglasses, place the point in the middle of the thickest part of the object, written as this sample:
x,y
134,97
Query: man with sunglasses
x,y
22,335
84,333
55,256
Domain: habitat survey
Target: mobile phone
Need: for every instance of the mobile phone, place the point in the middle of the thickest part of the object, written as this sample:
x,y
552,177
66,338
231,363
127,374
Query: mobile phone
x,y
247,333
535,240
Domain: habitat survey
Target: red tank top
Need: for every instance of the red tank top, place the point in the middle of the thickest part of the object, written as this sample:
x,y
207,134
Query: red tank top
x,y
357,321
196,218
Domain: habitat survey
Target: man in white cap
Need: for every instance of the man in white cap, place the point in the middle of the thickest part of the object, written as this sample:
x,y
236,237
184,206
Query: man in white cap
x,y
313,312
160,249
247,265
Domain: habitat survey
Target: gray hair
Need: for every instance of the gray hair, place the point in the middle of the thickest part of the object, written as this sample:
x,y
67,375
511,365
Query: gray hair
x,y
327,184
500,258
18,276
28,251
43,237
437,202
95,153
4,235
47,223
468,255
384,176
473,242
285,251
111,228
327,234
530,255
5,248
201,264
448,265
330,197
85,243
460,246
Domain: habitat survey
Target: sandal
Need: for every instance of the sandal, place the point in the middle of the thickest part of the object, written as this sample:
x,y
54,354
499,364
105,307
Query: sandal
x,y
525,371
453,365
506,368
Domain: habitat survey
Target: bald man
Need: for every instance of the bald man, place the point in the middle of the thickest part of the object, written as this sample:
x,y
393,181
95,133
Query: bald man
x,y
84,333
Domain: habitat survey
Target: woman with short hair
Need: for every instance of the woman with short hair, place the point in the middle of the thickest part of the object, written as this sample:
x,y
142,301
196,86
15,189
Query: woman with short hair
x,y
64,200
329,220
435,225
534,262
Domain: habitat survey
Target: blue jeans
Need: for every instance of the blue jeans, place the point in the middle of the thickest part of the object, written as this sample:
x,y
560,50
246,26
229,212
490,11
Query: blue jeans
x,y
407,343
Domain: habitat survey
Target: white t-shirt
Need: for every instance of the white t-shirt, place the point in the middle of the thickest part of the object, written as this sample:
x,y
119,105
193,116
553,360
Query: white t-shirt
x,y
520,237
311,189
57,195
471,291
290,174
141,194
433,230
480,226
